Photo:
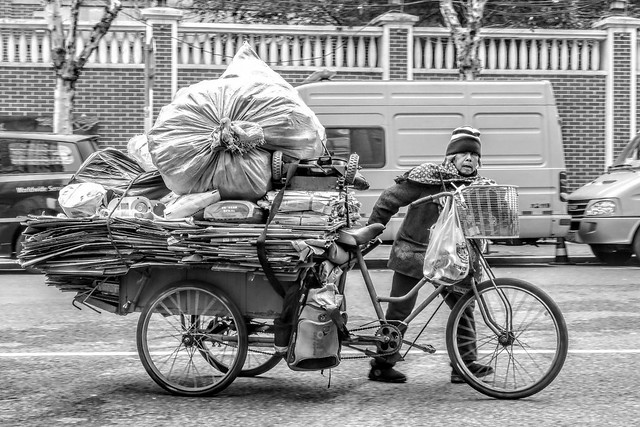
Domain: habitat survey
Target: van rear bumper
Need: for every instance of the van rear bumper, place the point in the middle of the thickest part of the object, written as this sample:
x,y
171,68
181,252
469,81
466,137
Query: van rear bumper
x,y
605,231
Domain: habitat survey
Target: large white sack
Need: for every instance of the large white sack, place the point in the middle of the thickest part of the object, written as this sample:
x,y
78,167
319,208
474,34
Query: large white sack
x,y
251,104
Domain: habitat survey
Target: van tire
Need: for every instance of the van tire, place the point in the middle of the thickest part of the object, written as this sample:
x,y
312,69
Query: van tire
x,y
611,256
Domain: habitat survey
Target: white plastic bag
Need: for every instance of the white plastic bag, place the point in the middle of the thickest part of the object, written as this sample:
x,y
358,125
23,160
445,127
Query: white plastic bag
x,y
82,200
138,150
248,107
446,260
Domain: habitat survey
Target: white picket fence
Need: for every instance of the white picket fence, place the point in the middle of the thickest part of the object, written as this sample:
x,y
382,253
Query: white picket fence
x,y
26,42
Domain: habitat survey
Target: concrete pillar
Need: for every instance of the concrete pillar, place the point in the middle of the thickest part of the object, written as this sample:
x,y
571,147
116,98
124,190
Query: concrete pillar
x,y
162,77
621,63
397,45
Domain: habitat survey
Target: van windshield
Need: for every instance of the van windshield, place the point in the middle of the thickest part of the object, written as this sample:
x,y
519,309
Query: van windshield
x,y
630,155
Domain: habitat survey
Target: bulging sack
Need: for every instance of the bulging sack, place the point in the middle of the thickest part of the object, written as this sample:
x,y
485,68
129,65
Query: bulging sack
x,y
446,260
248,107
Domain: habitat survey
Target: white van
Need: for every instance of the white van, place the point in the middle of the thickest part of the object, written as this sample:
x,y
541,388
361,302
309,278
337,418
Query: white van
x,y
605,213
396,125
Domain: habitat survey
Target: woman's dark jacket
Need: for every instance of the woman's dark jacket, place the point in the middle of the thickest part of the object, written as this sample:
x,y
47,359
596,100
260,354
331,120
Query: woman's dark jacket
x,y
407,252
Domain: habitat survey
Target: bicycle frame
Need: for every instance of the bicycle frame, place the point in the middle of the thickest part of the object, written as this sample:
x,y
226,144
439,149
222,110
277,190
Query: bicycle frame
x,y
376,299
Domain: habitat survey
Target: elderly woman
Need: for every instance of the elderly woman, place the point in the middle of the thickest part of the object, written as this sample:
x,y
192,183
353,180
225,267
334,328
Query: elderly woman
x,y
462,160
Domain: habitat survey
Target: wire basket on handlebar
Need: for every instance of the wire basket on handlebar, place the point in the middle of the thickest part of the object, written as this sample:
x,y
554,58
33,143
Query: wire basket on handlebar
x,y
487,211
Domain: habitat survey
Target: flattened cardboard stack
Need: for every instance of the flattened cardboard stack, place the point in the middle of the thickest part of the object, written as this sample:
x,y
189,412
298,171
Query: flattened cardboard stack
x,y
86,255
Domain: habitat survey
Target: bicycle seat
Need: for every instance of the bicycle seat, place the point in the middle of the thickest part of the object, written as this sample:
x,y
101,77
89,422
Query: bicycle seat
x,y
357,236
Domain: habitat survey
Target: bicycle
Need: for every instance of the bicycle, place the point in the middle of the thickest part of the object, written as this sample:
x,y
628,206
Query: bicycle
x,y
520,331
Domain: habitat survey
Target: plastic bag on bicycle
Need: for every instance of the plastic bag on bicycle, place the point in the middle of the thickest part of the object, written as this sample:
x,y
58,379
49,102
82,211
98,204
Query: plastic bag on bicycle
x,y
446,260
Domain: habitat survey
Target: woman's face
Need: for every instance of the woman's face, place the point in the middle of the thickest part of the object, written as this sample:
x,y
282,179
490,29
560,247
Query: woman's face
x,y
466,163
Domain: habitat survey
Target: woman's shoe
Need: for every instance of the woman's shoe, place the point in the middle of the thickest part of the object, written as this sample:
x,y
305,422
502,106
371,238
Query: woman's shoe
x,y
476,369
386,375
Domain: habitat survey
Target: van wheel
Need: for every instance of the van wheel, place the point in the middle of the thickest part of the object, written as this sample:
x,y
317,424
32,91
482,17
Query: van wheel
x,y
611,256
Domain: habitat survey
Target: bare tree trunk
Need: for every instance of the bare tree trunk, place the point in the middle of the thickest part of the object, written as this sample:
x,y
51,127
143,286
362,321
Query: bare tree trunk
x,y
63,106
67,63
467,40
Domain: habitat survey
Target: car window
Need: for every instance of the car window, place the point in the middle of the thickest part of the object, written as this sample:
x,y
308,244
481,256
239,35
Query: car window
x,y
36,156
368,143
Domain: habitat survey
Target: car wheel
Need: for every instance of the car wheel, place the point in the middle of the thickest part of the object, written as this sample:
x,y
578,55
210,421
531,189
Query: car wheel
x,y
636,245
611,256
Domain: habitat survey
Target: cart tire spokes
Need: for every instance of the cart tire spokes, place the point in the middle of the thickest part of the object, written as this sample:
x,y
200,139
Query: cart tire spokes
x,y
261,356
530,349
183,330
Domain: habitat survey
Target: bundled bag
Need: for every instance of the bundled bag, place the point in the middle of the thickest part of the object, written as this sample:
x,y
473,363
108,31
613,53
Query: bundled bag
x,y
138,150
223,123
82,200
315,341
446,260
119,173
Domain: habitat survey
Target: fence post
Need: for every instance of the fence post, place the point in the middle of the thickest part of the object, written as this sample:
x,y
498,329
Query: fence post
x,y
621,63
162,34
396,56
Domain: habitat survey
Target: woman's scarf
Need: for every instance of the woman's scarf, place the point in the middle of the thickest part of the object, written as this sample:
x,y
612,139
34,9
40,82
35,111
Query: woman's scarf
x,y
430,173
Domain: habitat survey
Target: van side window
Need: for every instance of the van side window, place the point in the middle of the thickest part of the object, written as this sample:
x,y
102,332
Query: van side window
x,y
368,143
32,156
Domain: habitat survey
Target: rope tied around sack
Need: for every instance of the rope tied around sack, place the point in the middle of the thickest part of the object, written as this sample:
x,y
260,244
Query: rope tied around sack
x,y
237,137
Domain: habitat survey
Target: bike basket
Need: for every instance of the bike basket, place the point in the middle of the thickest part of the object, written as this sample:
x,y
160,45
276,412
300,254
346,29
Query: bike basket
x,y
488,211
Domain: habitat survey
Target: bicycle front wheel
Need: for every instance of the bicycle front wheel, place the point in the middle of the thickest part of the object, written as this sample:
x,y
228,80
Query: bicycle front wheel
x,y
529,349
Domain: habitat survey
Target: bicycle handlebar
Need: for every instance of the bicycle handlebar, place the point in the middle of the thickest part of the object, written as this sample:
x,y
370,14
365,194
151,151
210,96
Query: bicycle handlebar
x,y
430,198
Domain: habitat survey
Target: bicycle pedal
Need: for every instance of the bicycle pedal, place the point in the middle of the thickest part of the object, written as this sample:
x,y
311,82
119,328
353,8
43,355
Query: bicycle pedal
x,y
426,348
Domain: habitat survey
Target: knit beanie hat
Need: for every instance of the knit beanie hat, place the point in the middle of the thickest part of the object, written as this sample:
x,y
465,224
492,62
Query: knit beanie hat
x,y
464,139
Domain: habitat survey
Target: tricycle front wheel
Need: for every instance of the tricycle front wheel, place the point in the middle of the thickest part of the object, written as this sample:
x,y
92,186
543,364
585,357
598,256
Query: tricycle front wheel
x,y
182,332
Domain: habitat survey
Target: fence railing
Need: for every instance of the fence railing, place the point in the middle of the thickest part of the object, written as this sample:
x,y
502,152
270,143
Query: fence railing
x,y
27,42
514,50
282,45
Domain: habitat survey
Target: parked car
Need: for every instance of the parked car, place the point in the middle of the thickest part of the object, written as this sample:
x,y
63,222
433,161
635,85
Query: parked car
x,y
605,213
33,169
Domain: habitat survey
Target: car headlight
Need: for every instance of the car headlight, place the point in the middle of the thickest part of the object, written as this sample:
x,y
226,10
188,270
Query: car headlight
x,y
603,207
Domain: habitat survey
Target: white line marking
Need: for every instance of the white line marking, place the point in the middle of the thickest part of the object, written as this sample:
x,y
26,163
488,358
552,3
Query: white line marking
x,y
133,353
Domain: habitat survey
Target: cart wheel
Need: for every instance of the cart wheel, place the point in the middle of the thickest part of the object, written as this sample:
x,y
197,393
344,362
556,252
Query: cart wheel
x,y
261,356
186,319
527,353
352,169
276,166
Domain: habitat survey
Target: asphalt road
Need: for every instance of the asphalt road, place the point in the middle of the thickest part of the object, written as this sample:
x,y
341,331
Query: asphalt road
x,y
63,366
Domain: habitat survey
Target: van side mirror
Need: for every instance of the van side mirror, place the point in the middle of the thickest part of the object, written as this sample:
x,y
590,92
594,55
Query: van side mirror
x,y
564,197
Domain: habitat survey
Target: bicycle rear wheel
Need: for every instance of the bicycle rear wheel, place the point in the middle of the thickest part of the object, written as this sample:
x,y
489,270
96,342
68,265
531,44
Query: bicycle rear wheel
x,y
525,356
182,330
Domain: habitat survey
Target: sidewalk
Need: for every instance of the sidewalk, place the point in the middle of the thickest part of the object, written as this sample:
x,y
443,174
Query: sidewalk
x,y
501,255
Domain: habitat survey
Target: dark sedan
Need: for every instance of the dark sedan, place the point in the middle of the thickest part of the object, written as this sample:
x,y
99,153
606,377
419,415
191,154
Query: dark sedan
x,y
33,169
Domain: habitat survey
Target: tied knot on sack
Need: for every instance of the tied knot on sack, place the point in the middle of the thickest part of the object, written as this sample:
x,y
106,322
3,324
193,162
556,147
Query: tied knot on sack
x,y
237,137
